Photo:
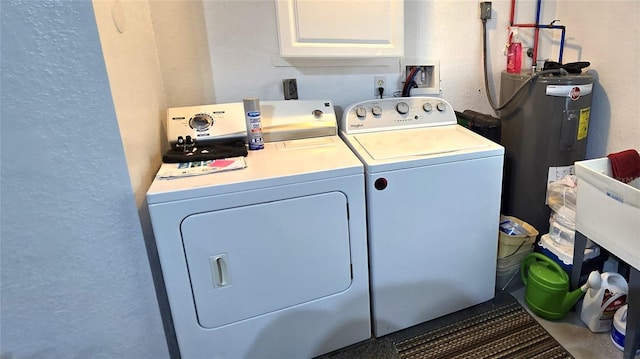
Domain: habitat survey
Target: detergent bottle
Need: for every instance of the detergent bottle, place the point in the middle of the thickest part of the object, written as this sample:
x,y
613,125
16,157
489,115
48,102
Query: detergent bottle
x,y
603,300
514,53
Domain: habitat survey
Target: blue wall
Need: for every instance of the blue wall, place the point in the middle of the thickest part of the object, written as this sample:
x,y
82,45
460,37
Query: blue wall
x,y
75,278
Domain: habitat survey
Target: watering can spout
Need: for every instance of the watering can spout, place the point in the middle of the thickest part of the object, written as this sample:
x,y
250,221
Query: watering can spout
x,y
572,297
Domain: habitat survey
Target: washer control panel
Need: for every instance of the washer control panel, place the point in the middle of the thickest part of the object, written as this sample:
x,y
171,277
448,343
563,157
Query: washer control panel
x,y
397,113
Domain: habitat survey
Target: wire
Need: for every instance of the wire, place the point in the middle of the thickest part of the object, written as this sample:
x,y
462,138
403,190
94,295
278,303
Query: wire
x,y
495,107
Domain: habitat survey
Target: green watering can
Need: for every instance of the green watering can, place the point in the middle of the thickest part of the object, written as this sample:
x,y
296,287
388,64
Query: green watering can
x,y
547,287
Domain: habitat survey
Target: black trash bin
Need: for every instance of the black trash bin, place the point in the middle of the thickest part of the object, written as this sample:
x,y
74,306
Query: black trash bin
x,y
483,124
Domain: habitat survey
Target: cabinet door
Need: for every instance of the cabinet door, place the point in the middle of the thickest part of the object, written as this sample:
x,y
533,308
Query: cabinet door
x,y
340,28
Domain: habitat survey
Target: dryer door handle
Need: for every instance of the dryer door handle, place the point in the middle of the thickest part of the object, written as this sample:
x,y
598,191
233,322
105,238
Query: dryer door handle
x,y
220,270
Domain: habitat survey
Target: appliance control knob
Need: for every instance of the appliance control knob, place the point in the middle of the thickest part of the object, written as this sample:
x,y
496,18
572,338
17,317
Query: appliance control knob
x,y
376,110
427,107
361,112
402,108
317,113
441,106
201,121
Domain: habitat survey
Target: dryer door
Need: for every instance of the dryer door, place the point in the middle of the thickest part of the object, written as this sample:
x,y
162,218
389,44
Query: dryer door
x,y
256,259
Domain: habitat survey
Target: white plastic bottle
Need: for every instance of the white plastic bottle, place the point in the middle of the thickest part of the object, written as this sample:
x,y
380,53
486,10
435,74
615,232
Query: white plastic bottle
x,y
601,302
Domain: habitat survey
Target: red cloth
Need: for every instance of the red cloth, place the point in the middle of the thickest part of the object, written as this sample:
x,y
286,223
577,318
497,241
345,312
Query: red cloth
x,y
625,165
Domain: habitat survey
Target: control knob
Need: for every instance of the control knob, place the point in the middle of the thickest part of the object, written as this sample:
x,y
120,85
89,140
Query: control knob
x,y
201,121
361,112
402,108
376,111
427,107
441,106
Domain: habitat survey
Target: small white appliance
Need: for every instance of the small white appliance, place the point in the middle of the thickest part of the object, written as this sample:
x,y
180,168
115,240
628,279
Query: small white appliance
x,y
269,261
433,206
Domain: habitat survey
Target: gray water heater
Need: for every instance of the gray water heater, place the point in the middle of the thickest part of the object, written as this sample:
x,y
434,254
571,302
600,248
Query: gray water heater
x,y
544,131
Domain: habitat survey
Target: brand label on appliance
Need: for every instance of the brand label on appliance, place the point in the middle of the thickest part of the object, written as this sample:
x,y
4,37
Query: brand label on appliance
x,y
573,92
615,196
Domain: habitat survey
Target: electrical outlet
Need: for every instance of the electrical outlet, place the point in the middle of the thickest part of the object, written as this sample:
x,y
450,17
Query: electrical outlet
x,y
290,89
379,81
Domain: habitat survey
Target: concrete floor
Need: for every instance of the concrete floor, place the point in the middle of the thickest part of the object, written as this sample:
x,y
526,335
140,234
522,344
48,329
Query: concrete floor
x,y
574,335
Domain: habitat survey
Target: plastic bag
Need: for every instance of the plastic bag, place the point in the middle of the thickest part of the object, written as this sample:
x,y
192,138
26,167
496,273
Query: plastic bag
x,y
563,193
512,228
560,233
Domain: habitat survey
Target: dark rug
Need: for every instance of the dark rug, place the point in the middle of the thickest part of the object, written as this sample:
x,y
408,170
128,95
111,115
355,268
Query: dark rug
x,y
499,328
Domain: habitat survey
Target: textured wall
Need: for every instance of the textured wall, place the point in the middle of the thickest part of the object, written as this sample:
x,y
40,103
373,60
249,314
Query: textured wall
x,y
74,275
607,34
131,59
128,40
182,48
244,60
75,278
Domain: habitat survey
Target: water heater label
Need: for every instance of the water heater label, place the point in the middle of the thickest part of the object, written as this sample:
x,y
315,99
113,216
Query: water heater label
x,y
583,123
572,91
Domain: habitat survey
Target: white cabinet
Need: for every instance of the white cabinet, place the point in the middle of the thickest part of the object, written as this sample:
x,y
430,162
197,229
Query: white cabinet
x,y
340,28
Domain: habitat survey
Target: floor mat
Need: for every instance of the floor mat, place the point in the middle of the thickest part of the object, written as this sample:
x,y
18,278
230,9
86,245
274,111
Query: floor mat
x,y
507,331
498,328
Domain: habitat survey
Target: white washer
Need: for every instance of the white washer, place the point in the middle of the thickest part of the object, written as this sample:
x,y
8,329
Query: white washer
x,y
269,261
433,206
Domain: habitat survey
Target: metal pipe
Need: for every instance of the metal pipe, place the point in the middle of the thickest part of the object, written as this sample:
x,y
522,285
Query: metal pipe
x,y
513,11
562,37
536,35
537,26
561,44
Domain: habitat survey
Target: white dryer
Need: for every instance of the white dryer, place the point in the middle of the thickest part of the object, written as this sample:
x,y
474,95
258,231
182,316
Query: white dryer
x,y
433,206
269,261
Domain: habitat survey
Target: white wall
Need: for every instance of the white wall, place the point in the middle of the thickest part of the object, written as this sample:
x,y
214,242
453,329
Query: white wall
x,y
128,42
75,279
607,34
243,54
184,53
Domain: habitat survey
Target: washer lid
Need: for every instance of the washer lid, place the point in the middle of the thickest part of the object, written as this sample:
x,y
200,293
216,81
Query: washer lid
x,y
388,145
